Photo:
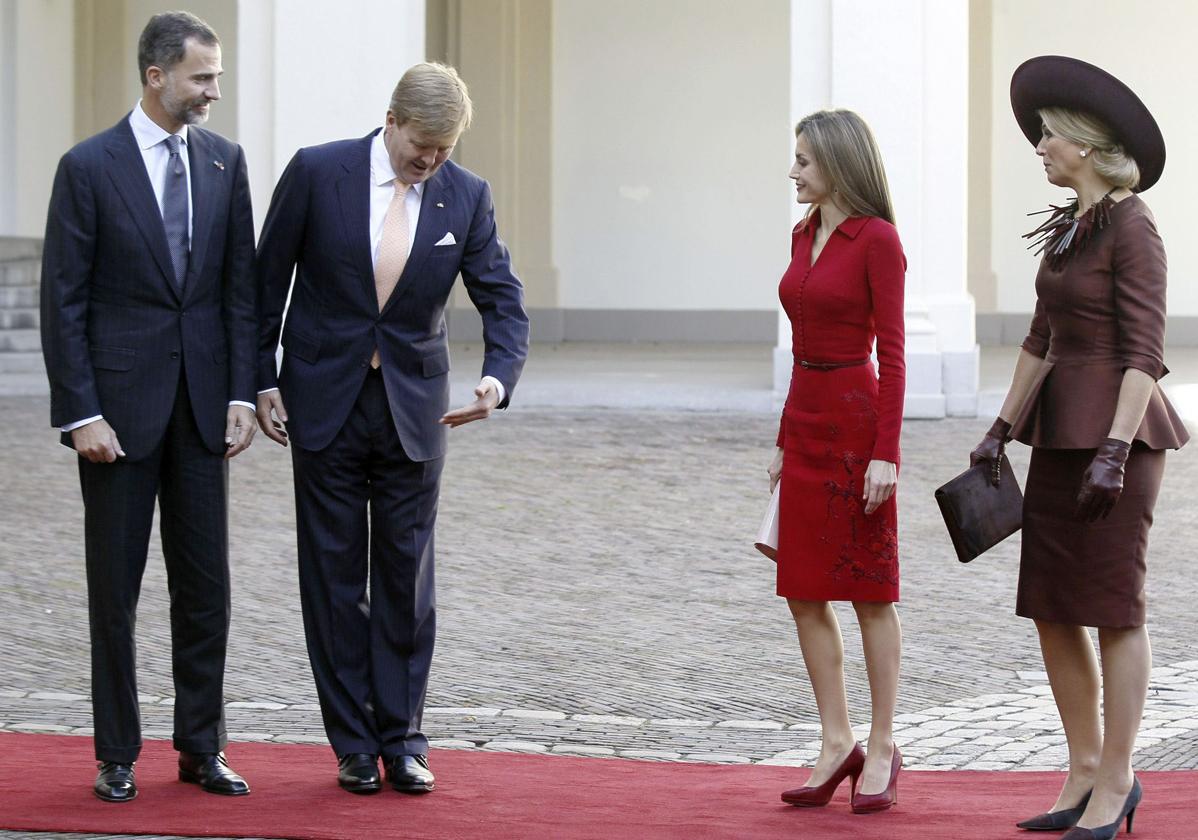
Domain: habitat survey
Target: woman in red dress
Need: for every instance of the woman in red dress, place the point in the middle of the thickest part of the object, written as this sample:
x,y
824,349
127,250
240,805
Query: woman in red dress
x,y
838,445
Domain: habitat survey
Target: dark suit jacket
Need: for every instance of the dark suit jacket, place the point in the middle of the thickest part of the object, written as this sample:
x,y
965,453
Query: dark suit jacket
x,y
319,225
115,332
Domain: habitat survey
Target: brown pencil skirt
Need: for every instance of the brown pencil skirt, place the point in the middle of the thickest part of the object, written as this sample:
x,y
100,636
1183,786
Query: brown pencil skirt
x,y
1086,573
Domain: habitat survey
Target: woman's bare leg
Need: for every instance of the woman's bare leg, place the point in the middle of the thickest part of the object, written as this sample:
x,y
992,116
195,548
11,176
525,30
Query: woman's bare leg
x,y
1126,666
823,653
1073,674
882,641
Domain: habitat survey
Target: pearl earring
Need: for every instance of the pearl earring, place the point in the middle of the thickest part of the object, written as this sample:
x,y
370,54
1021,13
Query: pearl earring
x,y
1083,153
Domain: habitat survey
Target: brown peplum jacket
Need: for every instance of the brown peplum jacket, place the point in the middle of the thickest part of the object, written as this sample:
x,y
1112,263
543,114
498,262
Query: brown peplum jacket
x,y
1101,313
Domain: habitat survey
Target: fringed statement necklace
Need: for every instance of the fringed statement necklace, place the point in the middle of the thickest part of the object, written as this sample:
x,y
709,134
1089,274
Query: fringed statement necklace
x,y
1065,233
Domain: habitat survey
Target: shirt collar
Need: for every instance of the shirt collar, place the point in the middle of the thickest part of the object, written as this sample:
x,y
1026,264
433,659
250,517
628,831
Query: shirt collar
x,y
850,227
382,172
148,133
853,225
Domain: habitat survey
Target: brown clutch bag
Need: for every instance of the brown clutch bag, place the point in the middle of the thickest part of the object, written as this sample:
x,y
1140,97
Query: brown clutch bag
x,y
979,515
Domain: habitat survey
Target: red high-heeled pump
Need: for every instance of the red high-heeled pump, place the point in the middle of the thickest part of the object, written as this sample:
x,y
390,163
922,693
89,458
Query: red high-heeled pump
x,y
869,803
815,796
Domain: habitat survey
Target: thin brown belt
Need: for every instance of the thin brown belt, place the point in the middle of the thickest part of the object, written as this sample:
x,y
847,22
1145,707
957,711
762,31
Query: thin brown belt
x,y
830,365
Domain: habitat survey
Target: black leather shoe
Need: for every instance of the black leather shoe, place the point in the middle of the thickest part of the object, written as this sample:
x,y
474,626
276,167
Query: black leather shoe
x,y
211,771
115,782
359,773
410,774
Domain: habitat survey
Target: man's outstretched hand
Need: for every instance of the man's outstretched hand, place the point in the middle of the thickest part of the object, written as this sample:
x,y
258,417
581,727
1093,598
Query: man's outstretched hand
x,y
480,409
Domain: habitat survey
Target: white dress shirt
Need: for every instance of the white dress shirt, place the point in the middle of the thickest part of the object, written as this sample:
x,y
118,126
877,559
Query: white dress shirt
x,y
151,140
382,189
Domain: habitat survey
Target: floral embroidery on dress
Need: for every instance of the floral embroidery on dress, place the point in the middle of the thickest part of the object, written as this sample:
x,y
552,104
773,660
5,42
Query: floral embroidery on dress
x,y
880,561
871,550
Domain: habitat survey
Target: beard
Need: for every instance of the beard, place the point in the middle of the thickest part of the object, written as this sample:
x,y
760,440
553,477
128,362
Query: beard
x,y
180,109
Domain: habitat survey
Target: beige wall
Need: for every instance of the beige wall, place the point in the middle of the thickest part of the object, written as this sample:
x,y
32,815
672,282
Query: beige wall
x,y
221,15
106,77
979,262
70,71
1150,48
671,127
504,51
40,107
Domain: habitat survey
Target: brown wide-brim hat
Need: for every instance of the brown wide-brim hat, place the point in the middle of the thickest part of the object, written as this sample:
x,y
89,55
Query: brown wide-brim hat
x,y
1056,80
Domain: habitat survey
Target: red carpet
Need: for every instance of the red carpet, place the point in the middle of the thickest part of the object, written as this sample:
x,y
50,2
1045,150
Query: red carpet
x,y
45,785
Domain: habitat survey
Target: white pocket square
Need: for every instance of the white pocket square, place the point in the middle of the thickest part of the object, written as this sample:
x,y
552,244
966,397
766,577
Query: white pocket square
x,y
447,239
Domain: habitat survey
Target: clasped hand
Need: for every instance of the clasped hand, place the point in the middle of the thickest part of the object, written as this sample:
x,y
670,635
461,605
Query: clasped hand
x,y
990,449
881,480
1102,483
97,442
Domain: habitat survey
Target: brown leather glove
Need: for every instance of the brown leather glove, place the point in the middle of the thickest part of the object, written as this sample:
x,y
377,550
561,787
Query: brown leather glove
x,y
991,448
1102,483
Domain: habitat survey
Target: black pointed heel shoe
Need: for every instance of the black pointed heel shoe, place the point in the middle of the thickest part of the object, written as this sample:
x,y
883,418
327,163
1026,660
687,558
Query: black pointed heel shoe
x,y
1056,820
1108,832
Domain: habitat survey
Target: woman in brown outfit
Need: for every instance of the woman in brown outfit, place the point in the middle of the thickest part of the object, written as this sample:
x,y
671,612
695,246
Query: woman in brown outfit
x,y
1084,396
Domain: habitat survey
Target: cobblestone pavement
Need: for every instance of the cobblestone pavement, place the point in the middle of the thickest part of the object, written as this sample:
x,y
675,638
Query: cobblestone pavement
x,y
599,595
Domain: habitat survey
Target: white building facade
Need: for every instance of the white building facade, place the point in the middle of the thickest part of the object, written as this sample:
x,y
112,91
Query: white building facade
x,y
639,149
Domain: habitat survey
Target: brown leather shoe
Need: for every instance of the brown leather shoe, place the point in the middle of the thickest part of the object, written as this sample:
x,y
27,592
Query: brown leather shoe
x,y
410,774
211,772
115,782
359,773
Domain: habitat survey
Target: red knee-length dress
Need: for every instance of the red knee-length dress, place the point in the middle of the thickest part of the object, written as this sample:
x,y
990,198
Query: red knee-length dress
x,y
836,420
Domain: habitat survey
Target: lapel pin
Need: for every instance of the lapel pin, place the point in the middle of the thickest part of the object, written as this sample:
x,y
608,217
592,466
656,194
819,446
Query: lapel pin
x,y
440,203
218,165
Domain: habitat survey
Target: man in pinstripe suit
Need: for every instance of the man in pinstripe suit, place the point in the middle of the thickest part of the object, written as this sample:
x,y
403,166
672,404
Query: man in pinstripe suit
x,y
148,329
377,230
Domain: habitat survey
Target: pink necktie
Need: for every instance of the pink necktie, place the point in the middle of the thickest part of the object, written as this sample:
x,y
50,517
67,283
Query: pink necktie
x,y
393,250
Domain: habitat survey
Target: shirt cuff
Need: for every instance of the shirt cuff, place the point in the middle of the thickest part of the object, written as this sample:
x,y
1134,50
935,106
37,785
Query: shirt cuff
x,y
250,406
268,390
70,427
498,387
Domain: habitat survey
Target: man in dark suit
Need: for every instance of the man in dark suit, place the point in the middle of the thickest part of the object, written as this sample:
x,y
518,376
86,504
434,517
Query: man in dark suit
x,y
377,230
149,336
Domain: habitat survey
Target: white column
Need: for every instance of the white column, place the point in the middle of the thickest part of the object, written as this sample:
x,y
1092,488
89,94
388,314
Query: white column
x,y
255,98
903,65
950,306
8,117
314,72
810,90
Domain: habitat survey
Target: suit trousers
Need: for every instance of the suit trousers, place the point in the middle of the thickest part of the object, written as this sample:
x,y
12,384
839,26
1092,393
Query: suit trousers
x,y
190,483
365,514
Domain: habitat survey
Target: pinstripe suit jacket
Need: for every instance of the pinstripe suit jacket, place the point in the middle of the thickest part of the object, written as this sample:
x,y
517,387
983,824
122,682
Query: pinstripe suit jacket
x,y
319,225
116,333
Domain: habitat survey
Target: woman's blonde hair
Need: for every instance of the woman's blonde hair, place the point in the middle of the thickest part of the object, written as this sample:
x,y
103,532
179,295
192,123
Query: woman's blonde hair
x,y
433,98
846,153
1111,162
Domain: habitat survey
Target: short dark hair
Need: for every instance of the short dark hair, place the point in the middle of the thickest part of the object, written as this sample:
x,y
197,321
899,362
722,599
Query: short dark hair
x,y
164,40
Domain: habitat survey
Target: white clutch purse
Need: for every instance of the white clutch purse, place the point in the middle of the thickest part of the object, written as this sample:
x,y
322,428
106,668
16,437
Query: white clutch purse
x,y
767,534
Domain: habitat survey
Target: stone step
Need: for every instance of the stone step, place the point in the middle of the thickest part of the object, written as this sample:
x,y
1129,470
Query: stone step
x,y
20,318
22,384
20,341
18,297
20,273
22,363
16,248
